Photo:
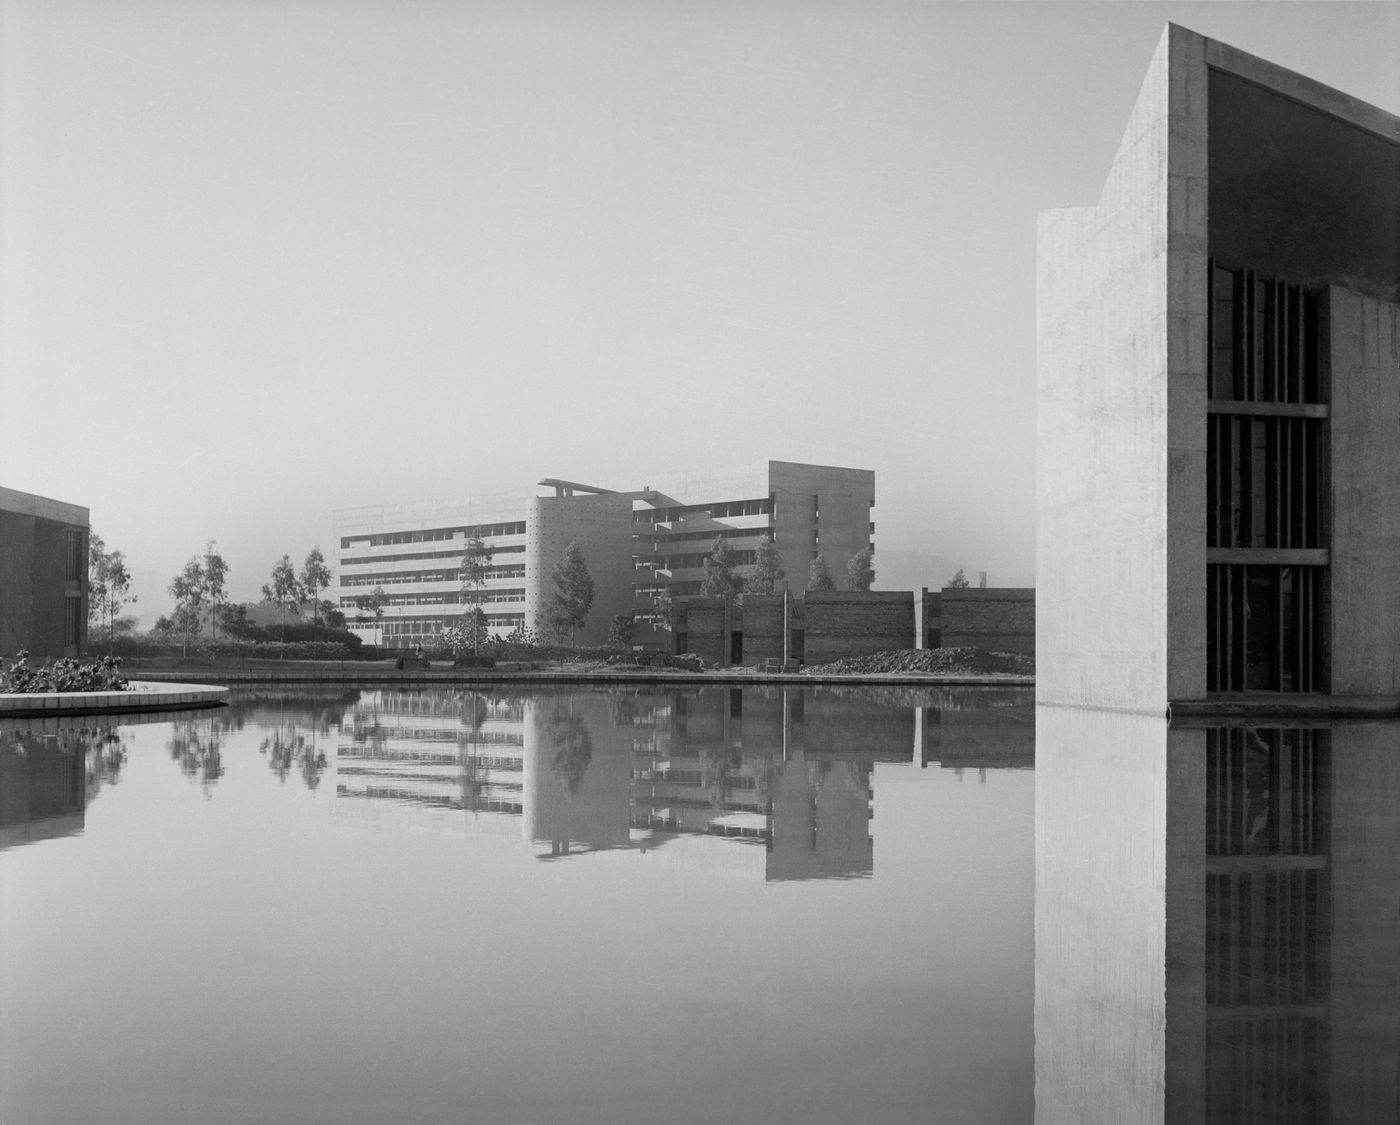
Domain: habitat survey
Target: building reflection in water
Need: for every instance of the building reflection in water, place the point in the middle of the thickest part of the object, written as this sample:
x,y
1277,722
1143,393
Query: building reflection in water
x,y
50,771
1217,921
761,783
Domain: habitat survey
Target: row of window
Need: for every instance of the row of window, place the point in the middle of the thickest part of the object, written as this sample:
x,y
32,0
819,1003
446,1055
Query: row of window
x,y
691,561
1265,339
665,537
478,531
1265,481
457,554
401,577
431,626
488,597
721,511
1264,628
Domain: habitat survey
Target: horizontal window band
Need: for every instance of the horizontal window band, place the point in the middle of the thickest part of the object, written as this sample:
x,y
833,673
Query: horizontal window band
x,y
1269,409
1268,556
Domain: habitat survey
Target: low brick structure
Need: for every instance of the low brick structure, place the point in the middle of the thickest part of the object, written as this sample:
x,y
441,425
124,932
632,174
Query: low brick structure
x,y
855,623
762,618
998,619
701,627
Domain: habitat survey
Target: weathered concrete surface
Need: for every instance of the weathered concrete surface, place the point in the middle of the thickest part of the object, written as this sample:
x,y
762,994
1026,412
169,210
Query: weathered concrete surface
x,y
1365,549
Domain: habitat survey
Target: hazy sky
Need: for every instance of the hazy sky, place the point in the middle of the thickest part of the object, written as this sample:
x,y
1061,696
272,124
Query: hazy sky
x,y
261,260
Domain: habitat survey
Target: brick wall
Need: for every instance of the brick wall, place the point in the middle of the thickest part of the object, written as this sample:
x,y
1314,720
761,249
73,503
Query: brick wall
x,y
999,620
702,621
761,619
849,623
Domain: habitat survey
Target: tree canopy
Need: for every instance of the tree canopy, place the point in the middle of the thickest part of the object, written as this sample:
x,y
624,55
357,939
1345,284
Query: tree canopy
x,y
859,573
958,581
819,577
768,576
720,581
572,599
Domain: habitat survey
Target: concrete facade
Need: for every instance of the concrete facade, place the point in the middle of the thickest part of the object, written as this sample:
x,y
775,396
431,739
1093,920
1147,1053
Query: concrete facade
x,y
1227,163
43,576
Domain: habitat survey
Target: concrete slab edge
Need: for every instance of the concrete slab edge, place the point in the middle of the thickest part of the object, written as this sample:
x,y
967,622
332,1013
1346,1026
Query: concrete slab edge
x,y
144,695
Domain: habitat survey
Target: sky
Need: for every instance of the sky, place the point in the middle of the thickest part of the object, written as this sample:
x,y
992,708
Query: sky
x,y
260,261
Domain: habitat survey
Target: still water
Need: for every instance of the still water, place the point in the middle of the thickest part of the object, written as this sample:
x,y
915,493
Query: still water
x,y
822,905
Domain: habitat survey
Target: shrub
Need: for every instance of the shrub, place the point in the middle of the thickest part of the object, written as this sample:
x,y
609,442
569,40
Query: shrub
x,y
63,675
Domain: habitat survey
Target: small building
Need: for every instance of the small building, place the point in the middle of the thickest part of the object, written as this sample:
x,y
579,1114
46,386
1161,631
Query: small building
x,y
43,575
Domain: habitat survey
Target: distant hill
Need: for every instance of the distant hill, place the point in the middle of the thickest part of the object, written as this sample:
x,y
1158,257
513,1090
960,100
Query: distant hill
x,y
911,570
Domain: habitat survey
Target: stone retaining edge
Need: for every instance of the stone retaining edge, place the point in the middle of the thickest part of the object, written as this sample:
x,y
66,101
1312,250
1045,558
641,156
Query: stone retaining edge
x,y
927,679
145,695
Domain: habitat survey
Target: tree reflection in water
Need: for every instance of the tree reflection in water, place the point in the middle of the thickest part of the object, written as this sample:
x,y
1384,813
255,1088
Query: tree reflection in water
x,y
197,745
288,746
106,755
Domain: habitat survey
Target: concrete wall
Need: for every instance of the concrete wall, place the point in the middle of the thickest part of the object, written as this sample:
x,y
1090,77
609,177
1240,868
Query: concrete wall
x,y
1365,552
34,585
819,507
1103,291
602,527
850,623
999,620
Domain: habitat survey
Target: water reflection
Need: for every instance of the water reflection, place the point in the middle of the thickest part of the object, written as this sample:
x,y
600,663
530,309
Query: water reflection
x,y
50,772
764,783
1217,921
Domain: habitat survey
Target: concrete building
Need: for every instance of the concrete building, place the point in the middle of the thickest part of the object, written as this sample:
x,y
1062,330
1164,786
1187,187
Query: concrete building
x,y
639,545
43,575
1219,397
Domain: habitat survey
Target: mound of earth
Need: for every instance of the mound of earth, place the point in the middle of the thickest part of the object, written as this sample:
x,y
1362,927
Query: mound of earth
x,y
938,661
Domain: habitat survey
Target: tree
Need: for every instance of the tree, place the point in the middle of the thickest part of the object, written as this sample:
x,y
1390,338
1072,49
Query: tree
x,y
315,577
768,576
188,588
215,573
469,633
819,577
573,593
720,580
859,572
623,630
109,586
371,607
284,589
476,569
332,616
958,581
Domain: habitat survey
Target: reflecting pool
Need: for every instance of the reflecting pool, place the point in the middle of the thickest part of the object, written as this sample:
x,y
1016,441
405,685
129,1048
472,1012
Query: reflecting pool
x,y
717,904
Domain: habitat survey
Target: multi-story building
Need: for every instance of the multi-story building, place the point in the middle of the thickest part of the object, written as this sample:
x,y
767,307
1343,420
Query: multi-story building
x,y
43,575
638,545
1219,425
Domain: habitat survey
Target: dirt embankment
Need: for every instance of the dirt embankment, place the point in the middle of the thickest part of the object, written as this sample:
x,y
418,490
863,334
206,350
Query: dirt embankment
x,y
937,661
